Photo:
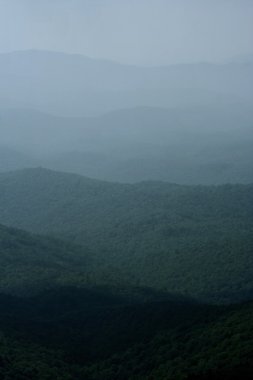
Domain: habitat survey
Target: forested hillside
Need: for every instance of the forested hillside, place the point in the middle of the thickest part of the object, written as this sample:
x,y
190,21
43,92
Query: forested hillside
x,y
126,190
71,334
30,263
191,240
59,325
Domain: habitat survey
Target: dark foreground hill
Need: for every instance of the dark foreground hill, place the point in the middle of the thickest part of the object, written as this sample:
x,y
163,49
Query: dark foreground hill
x,y
192,240
71,334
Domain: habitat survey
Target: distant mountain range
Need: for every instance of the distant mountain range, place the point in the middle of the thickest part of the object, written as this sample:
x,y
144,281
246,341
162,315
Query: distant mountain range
x,y
189,123
76,85
194,145
143,268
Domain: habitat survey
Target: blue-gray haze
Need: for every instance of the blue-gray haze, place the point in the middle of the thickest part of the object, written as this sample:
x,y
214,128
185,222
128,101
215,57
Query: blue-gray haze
x,y
128,90
149,32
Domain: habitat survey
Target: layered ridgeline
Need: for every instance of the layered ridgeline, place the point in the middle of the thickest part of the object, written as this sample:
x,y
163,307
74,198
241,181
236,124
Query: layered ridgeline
x,y
75,332
70,332
188,124
191,240
74,85
87,312
186,145
106,282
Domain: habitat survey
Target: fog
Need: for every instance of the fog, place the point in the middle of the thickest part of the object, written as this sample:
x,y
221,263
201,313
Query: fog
x,y
128,90
143,32
126,189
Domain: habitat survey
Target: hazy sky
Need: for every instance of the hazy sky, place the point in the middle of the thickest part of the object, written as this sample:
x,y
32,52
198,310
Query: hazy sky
x,y
132,31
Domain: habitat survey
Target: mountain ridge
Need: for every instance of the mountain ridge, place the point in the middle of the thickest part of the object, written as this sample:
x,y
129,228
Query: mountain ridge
x,y
73,85
180,230
195,145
